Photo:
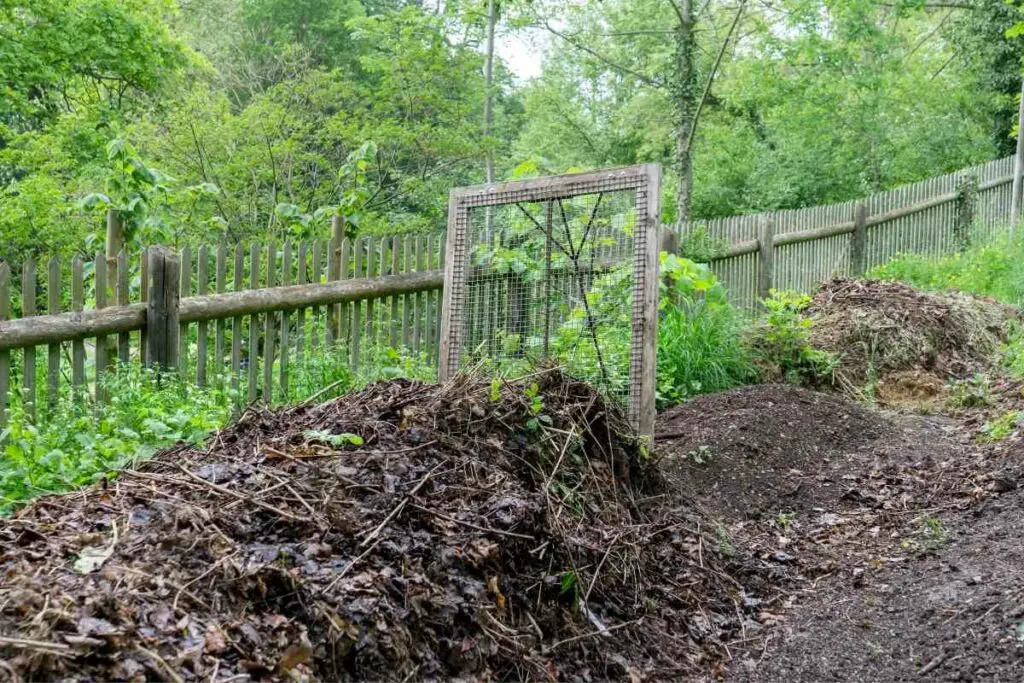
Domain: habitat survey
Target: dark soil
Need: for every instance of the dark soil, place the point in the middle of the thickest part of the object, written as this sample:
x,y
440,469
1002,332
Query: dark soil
x,y
765,449
903,541
454,542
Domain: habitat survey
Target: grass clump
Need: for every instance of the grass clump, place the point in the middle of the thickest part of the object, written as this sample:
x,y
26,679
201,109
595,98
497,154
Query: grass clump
x,y
1000,428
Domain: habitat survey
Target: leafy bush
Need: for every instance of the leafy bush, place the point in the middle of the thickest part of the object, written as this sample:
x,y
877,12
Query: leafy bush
x,y
994,268
700,345
1000,428
781,340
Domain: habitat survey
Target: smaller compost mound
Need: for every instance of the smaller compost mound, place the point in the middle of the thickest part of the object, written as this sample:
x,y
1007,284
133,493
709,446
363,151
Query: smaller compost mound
x,y
409,532
890,332
763,449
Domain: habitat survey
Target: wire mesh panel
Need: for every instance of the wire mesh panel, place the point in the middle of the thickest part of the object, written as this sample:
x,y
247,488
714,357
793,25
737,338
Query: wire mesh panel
x,y
562,268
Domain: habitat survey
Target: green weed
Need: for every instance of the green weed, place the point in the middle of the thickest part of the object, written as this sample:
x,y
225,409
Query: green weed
x,y
1000,428
781,340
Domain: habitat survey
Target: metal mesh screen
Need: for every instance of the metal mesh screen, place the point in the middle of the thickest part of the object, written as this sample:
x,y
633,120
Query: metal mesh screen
x,y
559,269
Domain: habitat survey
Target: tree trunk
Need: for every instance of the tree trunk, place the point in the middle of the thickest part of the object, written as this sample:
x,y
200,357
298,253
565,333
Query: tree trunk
x,y
492,20
686,105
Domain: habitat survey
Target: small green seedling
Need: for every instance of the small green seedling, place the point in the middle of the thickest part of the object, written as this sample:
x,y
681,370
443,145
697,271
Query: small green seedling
x,y
700,456
336,440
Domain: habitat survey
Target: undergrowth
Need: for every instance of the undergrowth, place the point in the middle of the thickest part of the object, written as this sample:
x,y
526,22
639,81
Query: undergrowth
x,y
994,268
75,442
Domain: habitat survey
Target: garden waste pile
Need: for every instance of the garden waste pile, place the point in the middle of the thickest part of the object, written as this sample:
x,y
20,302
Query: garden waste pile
x,y
410,531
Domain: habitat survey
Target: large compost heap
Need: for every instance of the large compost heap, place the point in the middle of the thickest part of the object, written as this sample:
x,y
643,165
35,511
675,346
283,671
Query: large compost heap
x,y
889,331
408,532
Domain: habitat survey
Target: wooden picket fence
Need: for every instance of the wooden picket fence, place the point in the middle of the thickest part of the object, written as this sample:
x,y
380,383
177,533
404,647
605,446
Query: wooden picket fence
x,y
244,316
799,248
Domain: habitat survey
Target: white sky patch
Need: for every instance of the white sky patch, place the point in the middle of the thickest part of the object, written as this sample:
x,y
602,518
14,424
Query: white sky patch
x,y
523,52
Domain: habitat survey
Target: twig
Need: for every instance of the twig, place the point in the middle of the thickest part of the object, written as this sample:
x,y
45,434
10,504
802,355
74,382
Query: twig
x,y
349,566
160,660
323,391
184,587
592,634
600,564
489,530
239,496
933,665
401,506
28,644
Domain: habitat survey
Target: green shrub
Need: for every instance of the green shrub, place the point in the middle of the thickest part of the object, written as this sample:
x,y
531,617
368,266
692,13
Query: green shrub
x,y
994,268
1000,428
700,341
80,443
781,341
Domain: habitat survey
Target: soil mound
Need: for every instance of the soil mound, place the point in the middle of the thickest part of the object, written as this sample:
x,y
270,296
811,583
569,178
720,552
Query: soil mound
x,y
886,329
760,449
408,532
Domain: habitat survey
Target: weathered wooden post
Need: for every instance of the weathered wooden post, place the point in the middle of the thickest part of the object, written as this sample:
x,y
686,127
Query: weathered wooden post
x,y
859,240
162,309
1018,166
333,274
113,246
966,195
766,256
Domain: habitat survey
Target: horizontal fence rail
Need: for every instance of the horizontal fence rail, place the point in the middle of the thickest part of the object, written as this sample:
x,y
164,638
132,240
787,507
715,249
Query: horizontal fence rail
x,y
245,317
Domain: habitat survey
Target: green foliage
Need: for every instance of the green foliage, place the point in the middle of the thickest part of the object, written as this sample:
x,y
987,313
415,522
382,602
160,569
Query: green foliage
x,y
77,445
1001,427
1013,350
781,340
699,245
994,268
700,345
971,393
337,440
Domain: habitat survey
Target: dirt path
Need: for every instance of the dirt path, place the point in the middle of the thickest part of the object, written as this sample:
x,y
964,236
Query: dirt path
x,y
900,537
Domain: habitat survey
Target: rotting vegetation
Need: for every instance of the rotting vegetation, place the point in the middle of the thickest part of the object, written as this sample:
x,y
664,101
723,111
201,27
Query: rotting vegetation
x,y
888,332
468,534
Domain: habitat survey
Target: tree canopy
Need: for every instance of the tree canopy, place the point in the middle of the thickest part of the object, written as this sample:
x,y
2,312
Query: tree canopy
x,y
249,119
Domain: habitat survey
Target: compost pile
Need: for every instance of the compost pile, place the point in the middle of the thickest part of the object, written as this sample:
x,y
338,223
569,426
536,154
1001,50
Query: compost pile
x,y
891,332
411,531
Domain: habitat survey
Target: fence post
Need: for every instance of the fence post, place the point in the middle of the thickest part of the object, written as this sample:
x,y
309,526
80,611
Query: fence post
x,y
967,190
112,247
859,240
162,309
766,255
1018,166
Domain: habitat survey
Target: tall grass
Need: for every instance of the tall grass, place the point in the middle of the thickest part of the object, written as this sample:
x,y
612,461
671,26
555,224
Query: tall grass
x,y
994,268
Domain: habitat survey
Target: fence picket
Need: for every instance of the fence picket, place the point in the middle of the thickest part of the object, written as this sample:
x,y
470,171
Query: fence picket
x,y
315,310
286,280
371,264
53,350
396,251
202,334
271,329
220,332
300,315
78,345
236,326
100,292
420,299
254,326
5,355
124,338
357,307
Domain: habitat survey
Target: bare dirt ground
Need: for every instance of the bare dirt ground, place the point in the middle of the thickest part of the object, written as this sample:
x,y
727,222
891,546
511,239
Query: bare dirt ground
x,y
900,533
